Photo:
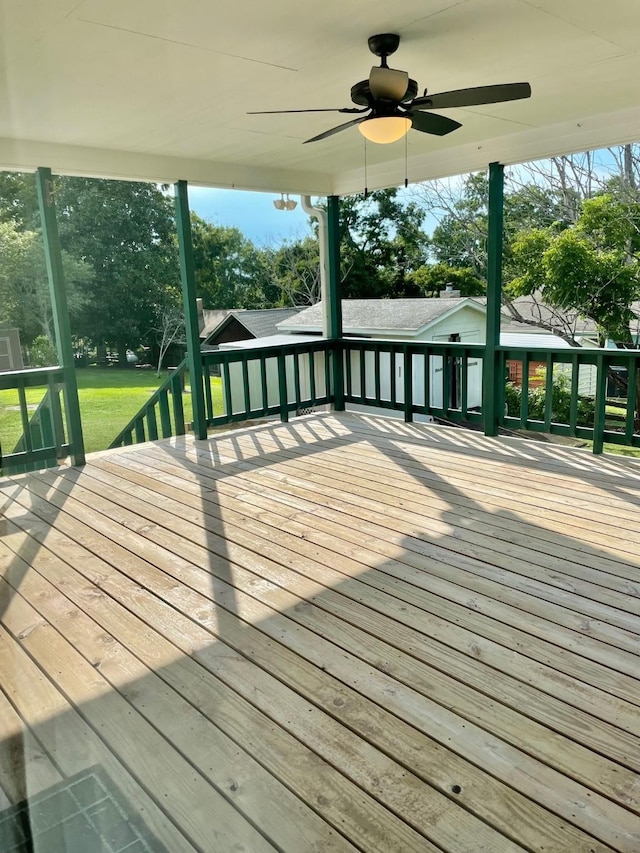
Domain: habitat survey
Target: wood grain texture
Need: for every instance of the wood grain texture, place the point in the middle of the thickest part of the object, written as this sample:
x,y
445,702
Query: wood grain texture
x,y
342,633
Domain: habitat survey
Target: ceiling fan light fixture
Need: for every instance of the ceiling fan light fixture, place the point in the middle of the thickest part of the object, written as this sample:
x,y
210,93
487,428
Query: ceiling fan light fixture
x,y
385,129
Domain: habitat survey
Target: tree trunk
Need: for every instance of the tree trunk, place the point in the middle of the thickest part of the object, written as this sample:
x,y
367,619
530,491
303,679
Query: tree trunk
x,y
122,355
629,177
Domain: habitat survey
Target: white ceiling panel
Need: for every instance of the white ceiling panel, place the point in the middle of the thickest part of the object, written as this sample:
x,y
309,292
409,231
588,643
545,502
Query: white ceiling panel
x,y
161,88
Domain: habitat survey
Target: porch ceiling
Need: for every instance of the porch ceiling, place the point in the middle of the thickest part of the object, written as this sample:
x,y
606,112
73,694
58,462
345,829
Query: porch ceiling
x,y
159,89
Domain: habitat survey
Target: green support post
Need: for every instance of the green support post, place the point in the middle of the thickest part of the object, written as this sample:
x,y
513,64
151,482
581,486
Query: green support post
x,y
60,311
490,367
334,296
187,276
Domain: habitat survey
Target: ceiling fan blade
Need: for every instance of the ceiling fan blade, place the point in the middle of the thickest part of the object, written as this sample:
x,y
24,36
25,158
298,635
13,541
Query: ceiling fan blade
x,y
473,97
388,83
432,123
328,110
333,130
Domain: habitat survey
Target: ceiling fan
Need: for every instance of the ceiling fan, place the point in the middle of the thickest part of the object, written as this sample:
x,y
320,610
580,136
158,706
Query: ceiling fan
x,y
388,102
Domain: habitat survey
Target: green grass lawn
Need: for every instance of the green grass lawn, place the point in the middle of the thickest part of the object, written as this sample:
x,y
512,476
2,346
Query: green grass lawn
x,y
109,398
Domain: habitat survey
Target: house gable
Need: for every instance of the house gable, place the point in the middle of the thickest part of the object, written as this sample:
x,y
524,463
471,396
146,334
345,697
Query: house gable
x,y
465,319
397,319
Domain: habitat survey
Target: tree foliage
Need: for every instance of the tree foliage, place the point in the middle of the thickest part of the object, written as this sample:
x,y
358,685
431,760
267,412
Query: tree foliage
x,y
24,286
293,273
382,244
228,267
592,267
125,232
432,279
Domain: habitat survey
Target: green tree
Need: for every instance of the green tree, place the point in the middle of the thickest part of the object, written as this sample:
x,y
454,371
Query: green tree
x,y
19,200
382,244
432,279
125,232
24,286
592,268
460,238
293,273
228,267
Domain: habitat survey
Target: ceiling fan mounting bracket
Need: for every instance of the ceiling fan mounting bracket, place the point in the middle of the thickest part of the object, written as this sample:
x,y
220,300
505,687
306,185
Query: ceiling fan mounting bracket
x,y
384,44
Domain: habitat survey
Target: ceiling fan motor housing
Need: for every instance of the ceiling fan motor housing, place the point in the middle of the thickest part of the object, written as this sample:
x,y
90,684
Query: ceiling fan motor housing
x,y
361,94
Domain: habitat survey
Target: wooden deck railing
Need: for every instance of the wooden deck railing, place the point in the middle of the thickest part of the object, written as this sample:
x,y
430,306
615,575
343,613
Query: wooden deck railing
x,y
266,381
572,399
441,380
43,440
568,396
162,416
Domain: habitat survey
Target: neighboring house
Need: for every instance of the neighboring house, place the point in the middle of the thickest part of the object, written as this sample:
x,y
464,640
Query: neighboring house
x,y
241,324
242,327
10,351
448,319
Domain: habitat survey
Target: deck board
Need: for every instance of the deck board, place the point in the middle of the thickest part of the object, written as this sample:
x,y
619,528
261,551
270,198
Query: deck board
x,y
342,633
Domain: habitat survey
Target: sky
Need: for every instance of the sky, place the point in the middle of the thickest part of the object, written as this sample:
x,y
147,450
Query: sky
x,y
253,213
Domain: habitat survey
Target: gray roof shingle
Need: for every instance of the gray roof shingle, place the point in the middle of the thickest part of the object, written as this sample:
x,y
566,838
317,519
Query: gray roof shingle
x,y
401,315
261,323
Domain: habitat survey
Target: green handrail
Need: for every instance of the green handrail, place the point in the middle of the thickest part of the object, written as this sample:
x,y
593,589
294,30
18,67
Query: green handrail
x,y
566,408
43,443
437,379
143,426
442,380
266,381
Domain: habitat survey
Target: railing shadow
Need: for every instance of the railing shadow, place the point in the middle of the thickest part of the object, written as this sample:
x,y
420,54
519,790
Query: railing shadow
x,y
282,586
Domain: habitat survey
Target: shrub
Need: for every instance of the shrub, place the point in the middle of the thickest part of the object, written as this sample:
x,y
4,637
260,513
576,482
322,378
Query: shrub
x,y
560,401
42,353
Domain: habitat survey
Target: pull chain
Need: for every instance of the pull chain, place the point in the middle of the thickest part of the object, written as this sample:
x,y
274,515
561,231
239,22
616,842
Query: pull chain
x,y
406,158
366,188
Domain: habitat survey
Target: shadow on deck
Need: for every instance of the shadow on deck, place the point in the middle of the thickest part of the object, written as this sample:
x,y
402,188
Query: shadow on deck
x,y
342,633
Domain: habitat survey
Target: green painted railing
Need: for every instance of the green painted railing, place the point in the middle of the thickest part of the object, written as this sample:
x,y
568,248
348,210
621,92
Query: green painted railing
x,y
577,404
440,380
43,443
162,416
266,381
420,380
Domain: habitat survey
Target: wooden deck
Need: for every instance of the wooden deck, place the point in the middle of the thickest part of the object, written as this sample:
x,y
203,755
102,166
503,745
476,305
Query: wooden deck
x,y
343,633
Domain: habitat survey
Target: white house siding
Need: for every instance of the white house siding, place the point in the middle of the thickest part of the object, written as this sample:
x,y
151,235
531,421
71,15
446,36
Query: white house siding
x,y
467,323
271,365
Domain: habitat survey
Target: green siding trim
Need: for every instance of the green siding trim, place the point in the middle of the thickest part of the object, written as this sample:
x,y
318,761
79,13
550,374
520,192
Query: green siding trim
x,y
60,310
187,276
